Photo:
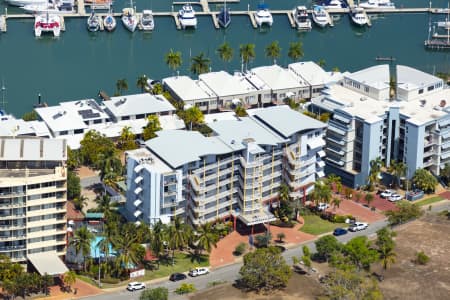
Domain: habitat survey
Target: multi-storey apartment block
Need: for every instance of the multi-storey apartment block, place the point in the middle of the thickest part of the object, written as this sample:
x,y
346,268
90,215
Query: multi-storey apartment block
x,y
236,172
33,197
409,122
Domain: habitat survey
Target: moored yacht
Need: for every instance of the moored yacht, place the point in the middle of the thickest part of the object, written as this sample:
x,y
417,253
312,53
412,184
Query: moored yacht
x,y
320,16
129,19
301,18
224,17
25,2
358,16
93,22
377,4
52,8
333,4
47,23
187,17
263,15
109,22
147,21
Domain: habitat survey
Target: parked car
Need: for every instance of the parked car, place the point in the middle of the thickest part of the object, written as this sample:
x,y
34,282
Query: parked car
x,y
395,197
322,206
339,231
357,226
198,271
386,193
134,286
177,277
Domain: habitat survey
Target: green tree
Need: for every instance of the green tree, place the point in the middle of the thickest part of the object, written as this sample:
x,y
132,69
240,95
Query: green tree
x,y
322,192
240,111
173,59
263,240
369,198
424,180
264,269
422,258
225,52
81,241
151,128
142,83
69,278
326,245
247,53
30,116
73,185
385,246
157,239
360,253
295,51
273,51
80,202
73,159
159,293
206,237
121,86
105,205
398,170
406,211
193,117
336,202
177,236
306,251
157,89
321,62
374,173
200,64
128,248
94,143
109,165
127,139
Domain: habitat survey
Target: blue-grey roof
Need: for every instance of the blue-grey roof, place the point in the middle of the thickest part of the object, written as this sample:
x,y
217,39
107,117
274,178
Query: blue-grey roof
x,y
286,121
178,147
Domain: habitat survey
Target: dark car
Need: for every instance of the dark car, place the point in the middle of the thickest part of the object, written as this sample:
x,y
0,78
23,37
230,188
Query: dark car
x,y
177,277
339,231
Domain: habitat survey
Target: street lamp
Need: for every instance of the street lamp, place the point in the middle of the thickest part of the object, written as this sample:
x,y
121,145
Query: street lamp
x,y
99,267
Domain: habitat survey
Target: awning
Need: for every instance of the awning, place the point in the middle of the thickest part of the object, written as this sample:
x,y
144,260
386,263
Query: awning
x,y
47,263
138,179
316,143
138,168
137,213
138,190
137,202
320,164
258,218
321,153
320,174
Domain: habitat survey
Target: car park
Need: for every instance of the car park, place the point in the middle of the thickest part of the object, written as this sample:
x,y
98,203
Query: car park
x,y
387,193
134,286
357,226
177,277
198,271
395,197
339,231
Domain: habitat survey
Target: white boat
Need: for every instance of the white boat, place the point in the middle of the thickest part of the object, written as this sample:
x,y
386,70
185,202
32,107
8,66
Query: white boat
x,y
444,24
109,22
187,17
263,15
358,16
93,22
129,19
301,18
147,21
333,4
377,4
47,23
25,2
320,16
54,9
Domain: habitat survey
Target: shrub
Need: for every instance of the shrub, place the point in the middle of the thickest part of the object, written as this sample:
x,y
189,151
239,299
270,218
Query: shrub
x,y
422,258
110,280
240,249
159,293
338,219
279,223
185,288
263,240
407,211
281,236
306,251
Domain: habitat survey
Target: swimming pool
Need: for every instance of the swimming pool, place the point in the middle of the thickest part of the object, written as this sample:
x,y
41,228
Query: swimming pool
x,y
95,251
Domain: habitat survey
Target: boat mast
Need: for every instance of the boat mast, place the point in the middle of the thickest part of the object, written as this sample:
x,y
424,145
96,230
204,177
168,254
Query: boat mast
x,y
3,96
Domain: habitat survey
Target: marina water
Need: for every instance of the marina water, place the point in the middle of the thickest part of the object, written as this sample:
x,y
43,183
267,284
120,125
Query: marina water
x,y
79,63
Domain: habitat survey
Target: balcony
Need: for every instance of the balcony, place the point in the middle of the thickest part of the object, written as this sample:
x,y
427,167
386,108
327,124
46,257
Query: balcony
x,y
12,238
335,161
12,248
335,140
12,216
429,162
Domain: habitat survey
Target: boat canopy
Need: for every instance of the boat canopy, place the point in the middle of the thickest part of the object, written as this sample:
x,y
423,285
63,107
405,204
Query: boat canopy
x,y
262,6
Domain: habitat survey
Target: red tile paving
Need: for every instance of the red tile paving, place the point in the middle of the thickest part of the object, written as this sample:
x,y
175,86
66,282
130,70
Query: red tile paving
x,y
83,289
445,195
357,210
72,213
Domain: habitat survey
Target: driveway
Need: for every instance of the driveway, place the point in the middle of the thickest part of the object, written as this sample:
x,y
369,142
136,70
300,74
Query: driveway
x,y
357,210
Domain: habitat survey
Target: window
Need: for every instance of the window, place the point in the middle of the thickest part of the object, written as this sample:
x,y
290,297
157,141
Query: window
x,y
64,132
420,91
125,118
310,135
430,88
98,121
141,116
366,89
317,133
78,131
34,186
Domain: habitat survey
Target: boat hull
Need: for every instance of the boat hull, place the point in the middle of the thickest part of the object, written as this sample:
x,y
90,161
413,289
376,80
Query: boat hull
x,y
224,18
109,23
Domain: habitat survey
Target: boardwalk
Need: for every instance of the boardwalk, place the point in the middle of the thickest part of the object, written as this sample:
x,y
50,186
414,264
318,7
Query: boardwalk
x,y
2,23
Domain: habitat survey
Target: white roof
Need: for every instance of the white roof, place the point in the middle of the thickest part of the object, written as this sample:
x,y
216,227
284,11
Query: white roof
x,y
278,78
312,73
222,116
257,82
15,127
147,161
88,109
410,79
376,76
224,84
188,89
47,263
29,148
58,118
130,105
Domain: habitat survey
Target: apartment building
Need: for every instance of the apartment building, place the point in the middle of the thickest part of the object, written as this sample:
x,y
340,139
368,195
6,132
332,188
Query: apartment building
x,y
236,172
33,197
410,123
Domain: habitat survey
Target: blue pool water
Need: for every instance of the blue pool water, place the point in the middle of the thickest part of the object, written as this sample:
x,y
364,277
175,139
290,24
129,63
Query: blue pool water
x,y
95,251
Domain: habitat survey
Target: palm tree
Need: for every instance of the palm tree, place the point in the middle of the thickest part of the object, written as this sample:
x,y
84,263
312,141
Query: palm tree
x,y
157,239
374,173
69,278
105,205
336,180
126,139
173,59
81,241
80,202
108,163
295,51
283,193
126,244
397,169
142,82
387,256
176,236
369,198
121,85
225,52
206,237
322,192
321,62
336,202
247,53
273,51
200,64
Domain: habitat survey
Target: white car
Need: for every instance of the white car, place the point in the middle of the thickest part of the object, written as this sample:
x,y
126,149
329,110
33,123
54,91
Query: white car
x,y
198,271
322,206
387,193
395,197
357,226
134,286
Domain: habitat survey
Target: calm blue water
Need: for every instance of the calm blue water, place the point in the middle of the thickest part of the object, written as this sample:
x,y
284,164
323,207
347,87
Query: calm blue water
x,y
79,64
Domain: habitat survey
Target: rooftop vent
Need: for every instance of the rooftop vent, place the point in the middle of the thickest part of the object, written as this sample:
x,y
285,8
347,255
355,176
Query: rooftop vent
x,y
443,103
423,102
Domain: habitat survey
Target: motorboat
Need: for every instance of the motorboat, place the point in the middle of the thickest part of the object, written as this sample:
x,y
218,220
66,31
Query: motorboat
x,y
377,4
224,17
301,18
263,15
359,16
109,22
129,18
187,17
93,22
25,2
47,23
320,16
334,4
147,21
52,8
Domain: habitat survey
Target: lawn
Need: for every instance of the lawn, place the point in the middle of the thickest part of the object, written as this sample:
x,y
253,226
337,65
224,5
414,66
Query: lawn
x,y
429,200
315,225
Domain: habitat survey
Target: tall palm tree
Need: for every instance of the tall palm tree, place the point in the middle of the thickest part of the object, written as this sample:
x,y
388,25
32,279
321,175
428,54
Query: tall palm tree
x,y
295,51
374,173
69,278
206,237
126,244
200,64
105,205
142,82
81,241
322,192
108,163
121,85
247,54
387,256
397,169
157,239
80,202
225,52
273,51
176,236
173,59
369,198
103,246
336,202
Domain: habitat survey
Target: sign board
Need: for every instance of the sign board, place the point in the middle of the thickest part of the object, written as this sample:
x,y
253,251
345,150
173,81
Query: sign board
x,y
137,273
